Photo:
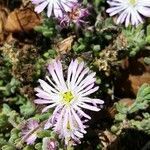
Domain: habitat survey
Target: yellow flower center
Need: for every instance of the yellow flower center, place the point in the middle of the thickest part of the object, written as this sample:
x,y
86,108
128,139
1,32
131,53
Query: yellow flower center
x,y
68,96
132,2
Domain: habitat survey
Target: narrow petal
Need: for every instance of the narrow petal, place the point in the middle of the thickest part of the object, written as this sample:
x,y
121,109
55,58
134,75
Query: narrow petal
x,y
37,1
48,107
41,7
90,91
77,119
59,73
42,101
46,87
48,124
144,11
82,113
49,10
86,106
31,139
78,134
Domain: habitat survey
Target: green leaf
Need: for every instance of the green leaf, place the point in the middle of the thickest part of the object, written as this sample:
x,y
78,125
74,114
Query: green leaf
x,y
144,90
27,109
8,147
44,133
6,109
38,146
29,147
120,117
121,108
3,120
147,59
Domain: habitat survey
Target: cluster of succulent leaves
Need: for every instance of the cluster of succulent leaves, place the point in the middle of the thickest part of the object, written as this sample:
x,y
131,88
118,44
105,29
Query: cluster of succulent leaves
x,y
129,116
92,43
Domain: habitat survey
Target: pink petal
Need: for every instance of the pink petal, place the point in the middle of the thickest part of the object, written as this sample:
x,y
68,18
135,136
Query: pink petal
x,y
41,7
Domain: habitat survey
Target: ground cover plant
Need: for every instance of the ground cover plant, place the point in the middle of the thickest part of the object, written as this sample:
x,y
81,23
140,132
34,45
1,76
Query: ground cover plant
x,y
74,74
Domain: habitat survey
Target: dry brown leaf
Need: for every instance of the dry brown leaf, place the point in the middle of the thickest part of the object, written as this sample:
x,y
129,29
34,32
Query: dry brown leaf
x,y
64,46
135,73
21,20
137,81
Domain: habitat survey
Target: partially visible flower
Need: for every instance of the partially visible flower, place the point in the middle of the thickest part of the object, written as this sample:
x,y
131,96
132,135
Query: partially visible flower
x,y
129,11
57,7
69,98
49,144
77,15
29,131
67,127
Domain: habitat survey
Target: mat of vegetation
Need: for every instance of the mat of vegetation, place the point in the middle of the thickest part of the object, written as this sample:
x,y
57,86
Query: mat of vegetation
x,y
74,75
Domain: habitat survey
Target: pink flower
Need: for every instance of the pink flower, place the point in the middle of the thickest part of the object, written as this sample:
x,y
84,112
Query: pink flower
x,y
49,144
69,98
29,131
129,11
77,15
57,7
67,127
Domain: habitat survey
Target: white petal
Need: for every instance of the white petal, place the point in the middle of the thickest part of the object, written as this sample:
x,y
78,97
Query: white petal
x,y
127,20
89,107
115,10
144,11
82,75
79,69
50,81
48,124
49,10
37,1
42,94
46,87
69,73
77,119
57,11
74,69
78,134
41,7
58,125
59,73
90,91
42,101
90,100
82,113
122,16
86,89
48,107
54,76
